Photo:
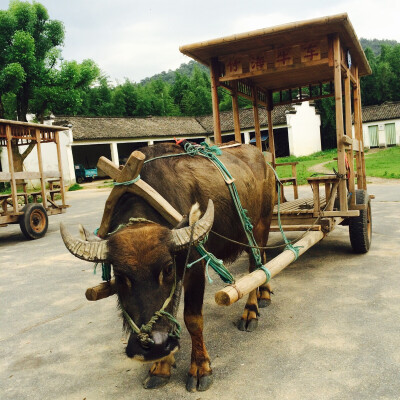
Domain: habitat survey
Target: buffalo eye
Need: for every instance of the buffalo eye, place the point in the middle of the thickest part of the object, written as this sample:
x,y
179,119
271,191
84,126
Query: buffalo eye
x,y
168,269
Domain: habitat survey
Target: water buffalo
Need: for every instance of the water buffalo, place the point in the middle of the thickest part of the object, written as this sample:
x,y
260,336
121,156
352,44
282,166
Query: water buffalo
x,y
148,255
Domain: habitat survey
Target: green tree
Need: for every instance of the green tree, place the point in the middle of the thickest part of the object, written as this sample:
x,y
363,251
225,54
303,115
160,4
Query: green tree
x,y
64,90
27,36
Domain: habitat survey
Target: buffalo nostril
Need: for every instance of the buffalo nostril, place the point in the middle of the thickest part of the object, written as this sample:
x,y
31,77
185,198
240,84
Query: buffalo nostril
x,y
160,339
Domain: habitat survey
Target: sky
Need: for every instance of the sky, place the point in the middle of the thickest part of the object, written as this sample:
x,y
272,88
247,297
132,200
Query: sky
x,y
135,39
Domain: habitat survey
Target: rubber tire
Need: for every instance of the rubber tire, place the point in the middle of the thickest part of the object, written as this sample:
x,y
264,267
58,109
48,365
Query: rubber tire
x,y
360,228
79,179
34,222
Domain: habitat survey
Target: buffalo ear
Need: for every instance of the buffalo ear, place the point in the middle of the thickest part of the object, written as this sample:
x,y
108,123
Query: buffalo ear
x,y
181,237
194,214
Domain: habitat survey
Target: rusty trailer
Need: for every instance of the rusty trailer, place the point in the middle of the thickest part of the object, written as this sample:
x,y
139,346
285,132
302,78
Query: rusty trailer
x,y
30,209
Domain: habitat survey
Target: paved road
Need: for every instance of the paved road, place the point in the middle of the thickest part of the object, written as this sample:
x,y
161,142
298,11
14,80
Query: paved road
x,y
331,332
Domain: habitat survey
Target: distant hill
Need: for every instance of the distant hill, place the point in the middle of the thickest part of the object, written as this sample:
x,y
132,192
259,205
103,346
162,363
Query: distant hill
x,y
169,77
375,44
187,69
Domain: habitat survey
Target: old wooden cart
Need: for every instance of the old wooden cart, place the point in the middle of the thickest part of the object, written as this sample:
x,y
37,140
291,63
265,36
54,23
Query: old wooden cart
x,y
31,208
287,64
282,65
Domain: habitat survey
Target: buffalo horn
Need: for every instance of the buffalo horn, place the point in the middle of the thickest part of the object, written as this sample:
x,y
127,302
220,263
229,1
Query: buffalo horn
x,y
89,251
87,235
181,237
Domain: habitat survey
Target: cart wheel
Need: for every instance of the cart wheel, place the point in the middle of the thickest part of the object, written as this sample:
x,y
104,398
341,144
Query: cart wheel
x,y
360,228
34,222
79,179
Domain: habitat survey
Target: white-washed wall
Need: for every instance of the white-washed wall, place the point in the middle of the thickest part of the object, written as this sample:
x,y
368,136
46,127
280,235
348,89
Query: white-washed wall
x,y
304,130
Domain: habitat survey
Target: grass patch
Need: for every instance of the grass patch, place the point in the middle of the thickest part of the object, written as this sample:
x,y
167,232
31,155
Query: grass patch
x,y
106,184
383,163
75,186
305,163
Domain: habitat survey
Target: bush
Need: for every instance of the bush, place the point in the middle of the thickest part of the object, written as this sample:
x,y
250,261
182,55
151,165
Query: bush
x,y
74,187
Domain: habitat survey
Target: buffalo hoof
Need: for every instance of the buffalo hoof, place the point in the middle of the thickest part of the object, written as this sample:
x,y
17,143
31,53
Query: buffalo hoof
x,y
155,381
202,384
252,325
247,326
242,324
262,303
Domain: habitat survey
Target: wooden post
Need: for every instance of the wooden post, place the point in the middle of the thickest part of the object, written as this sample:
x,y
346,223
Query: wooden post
x,y
349,134
60,169
11,168
235,108
256,118
40,162
358,131
214,75
245,285
339,122
271,142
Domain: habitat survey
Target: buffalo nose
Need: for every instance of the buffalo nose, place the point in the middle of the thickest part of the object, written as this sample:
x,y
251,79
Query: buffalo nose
x,y
160,341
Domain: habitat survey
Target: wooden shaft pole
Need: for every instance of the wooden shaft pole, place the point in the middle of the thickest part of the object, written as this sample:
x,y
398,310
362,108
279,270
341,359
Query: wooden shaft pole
x,y
101,291
245,285
214,75
235,109
339,121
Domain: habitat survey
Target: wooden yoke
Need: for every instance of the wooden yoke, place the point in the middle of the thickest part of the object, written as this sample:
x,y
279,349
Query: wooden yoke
x,y
130,172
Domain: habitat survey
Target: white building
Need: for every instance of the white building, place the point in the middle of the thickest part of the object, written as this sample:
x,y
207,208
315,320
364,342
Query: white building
x,y
381,125
296,132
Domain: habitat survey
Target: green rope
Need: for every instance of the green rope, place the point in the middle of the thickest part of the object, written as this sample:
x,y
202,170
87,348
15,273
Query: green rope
x,y
105,271
127,183
289,246
145,330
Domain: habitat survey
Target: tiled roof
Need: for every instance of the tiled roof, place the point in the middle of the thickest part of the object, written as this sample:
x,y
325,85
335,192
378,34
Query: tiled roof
x,y
246,118
116,128
385,111
90,128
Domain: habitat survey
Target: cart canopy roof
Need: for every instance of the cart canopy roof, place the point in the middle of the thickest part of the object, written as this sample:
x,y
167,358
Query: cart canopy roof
x,y
283,56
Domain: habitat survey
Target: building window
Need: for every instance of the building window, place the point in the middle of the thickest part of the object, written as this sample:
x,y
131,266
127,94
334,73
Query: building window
x,y
373,136
390,133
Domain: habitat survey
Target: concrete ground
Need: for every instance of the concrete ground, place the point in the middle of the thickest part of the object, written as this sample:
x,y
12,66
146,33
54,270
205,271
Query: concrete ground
x,y
331,332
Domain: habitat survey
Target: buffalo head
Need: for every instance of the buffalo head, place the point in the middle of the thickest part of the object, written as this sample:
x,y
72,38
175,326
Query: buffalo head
x,y
143,255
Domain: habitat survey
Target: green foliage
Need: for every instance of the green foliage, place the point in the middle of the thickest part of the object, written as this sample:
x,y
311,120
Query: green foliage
x,y
33,77
375,44
384,83
75,186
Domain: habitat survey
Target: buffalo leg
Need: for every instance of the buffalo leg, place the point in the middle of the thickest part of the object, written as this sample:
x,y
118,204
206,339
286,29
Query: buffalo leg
x,y
249,319
199,377
160,373
264,291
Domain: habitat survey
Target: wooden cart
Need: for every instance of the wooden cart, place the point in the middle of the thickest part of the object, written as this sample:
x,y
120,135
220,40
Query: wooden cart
x,y
282,65
30,208
287,64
